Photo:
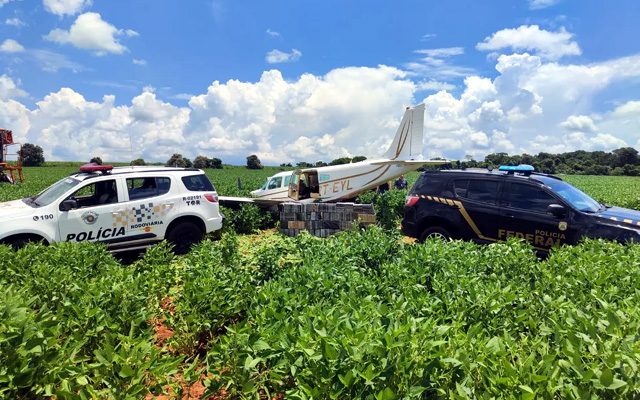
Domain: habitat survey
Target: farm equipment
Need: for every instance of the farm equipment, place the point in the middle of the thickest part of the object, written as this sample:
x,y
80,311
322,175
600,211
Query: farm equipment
x,y
10,170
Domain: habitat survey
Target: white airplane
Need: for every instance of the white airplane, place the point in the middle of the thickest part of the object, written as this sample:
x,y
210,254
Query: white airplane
x,y
347,181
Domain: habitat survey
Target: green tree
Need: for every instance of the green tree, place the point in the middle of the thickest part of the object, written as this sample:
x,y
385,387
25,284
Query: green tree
x,y
138,161
214,163
358,158
253,162
96,160
625,155
31,155
497,159
176,160
341,160
201,162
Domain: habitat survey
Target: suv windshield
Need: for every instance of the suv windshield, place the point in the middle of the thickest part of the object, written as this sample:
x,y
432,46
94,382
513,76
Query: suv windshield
x,y
571,195
54,191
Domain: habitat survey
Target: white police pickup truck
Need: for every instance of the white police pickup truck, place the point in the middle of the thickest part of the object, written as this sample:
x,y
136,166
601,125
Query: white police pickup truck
x,y
126,208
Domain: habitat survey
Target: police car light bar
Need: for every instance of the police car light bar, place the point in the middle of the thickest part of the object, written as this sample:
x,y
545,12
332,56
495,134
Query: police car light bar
x,y
522,168
96,168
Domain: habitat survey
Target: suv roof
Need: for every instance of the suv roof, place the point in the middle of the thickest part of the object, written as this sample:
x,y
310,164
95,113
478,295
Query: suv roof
x,y
495,172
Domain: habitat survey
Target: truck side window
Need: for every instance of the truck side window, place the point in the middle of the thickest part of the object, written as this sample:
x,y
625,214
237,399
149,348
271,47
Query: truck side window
x,y
198,183
527,197
96,194
481,190
428,184
142,188
460,187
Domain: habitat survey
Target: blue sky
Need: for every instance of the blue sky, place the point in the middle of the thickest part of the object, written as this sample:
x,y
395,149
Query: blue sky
x,y
310,80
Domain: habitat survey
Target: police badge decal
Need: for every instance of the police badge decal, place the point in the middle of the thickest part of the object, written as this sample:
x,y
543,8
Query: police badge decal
x,y
562,226
89,217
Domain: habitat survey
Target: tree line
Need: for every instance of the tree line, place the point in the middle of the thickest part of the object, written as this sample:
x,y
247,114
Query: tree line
x,y
622,161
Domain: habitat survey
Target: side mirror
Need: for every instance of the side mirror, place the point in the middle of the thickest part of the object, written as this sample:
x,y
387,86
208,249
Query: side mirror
x,y
68,204
557,210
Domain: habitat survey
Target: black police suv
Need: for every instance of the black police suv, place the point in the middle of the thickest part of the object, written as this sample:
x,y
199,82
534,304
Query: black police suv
x,y
493,205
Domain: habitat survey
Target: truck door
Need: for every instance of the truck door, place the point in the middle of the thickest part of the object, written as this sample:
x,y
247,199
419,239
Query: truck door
x,y
523,214
148,206
90,219
479,198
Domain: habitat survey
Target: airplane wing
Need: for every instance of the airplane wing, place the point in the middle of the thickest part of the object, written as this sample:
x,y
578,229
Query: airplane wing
x,y
416,163
236,202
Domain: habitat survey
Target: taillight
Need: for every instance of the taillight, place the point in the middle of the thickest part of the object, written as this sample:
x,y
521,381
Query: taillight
x,y
411,200
212,198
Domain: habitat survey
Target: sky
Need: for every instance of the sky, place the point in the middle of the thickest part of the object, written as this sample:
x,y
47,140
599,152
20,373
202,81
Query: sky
x,y
316,80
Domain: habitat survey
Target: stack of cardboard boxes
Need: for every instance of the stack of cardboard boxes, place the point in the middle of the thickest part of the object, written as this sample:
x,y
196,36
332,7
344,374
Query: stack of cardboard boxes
x,y
323,219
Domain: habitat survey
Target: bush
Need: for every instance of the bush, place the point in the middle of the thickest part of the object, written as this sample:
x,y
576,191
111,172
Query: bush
x,y
389,206
96,160
247,219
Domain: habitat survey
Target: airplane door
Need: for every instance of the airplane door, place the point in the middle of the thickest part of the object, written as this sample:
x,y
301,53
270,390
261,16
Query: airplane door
x,y
293,185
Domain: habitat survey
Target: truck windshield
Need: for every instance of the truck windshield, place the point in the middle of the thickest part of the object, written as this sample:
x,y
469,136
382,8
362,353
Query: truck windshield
x,y
578,199
53,192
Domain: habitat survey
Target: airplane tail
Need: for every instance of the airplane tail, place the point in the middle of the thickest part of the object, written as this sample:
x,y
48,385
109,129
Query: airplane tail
x,y
407,144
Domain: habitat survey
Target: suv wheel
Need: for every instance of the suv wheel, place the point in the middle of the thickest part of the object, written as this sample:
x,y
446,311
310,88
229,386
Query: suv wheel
x,y
19,242
183,236
435,232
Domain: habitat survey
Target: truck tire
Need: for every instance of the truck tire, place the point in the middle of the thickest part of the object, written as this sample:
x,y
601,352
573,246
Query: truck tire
x,y
183,236
436,232
19,242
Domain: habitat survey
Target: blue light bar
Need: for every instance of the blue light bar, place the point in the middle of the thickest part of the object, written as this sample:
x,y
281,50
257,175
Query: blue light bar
x,y
517,168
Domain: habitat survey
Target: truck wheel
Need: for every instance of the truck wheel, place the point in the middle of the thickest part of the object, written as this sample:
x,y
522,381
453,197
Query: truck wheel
x,y
435,232
183,236
19,242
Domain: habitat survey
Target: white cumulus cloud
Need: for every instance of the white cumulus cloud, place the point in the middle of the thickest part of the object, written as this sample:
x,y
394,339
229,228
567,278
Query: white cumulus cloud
x,y
91,32
441,52
11,46
580,123
10,89
65,7
539,4
276,56
17,22
531,105
551,45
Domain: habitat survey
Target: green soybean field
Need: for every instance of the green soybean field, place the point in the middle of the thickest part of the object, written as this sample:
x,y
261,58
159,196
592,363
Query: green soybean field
x,y
363,314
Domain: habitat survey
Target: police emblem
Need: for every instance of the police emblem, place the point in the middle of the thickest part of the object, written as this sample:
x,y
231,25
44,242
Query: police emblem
x,y
89,217
562,226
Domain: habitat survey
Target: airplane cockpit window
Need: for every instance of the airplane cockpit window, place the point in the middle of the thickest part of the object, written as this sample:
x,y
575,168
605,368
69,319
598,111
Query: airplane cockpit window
x,y
275,182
